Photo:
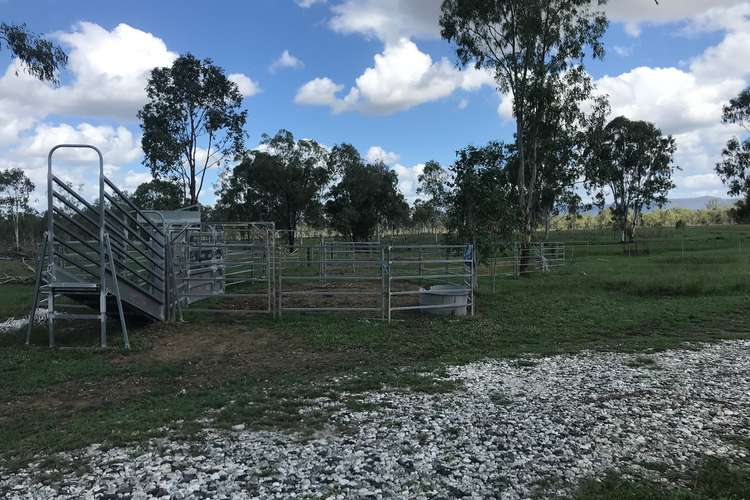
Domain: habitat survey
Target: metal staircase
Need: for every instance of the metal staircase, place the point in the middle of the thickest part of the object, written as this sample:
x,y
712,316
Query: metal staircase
x,y
100,259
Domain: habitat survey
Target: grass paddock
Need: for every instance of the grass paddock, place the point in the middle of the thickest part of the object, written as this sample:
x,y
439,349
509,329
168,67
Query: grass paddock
x,y
52,400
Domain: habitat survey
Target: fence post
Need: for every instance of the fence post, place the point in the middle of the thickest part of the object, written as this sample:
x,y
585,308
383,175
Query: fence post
x,y
322,260
494,269
474,278
474,267
389,284
421,266
382,282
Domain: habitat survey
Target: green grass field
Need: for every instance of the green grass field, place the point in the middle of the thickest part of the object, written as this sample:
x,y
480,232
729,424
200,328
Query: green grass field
x,y
66,398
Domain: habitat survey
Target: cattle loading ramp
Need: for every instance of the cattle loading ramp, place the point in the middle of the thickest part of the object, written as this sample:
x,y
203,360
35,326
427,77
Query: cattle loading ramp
x,y
111,258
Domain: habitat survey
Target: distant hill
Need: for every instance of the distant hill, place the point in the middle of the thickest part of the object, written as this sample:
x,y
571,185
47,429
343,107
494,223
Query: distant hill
x,y
697,203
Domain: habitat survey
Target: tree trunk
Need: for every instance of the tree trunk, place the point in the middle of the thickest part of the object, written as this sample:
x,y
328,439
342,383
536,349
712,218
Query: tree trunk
x,y
290,239
522,195
17,223
193,196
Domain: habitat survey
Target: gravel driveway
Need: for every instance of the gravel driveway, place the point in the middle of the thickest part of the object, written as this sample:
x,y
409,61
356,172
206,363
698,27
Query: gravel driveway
x,y
514,429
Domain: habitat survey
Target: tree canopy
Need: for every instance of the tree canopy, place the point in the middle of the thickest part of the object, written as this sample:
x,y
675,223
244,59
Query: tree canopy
x,y
633,162
734,168
192,122
38,56
483,206
534,48
15,190
159,195
282,182
365,197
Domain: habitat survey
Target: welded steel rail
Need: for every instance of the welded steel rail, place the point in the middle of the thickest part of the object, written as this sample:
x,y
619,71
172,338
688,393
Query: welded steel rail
x,y
412,266
97,253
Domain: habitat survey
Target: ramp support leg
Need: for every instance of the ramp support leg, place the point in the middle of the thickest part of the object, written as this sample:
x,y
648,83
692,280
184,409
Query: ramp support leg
x,y
116,290
37,284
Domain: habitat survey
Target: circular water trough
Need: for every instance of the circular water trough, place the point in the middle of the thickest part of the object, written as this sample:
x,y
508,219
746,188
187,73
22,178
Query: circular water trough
x,y
445,300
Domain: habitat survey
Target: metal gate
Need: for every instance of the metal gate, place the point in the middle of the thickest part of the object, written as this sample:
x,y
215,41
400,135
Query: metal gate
x,y
329,275
223,267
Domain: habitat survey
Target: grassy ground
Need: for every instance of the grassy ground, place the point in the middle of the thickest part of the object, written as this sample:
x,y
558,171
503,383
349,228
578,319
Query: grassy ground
x,y
67,398
15,298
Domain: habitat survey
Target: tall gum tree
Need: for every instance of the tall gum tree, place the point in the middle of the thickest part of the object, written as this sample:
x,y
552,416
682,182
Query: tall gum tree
x,y
192,122
529,46
15,190
282,182
633,162
734,167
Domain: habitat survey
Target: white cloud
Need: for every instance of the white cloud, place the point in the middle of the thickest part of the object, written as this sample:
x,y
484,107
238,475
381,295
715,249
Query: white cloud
x,y
246,86
635,13
377,154
134,179
318,92
726,61
80,167
408,180
463,103
388,20
623,51
719,19
687,102
705,183
109,71
306,4
286,61
402,77
118,145
633,29
109,68
638,11
505,108
676,100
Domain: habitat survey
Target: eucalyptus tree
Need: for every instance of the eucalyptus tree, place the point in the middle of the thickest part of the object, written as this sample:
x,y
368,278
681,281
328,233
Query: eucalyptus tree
x,y
39,56
430,208
631,161
531,47
192,122
15,191
282,181
482,197
159,195
365,197
734,168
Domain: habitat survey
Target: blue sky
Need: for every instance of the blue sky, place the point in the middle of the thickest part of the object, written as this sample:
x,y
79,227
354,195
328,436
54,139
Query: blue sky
x,y
674,64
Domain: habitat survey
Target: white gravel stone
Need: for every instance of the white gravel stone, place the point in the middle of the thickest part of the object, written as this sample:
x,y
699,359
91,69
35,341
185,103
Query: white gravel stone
x,y
512,427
